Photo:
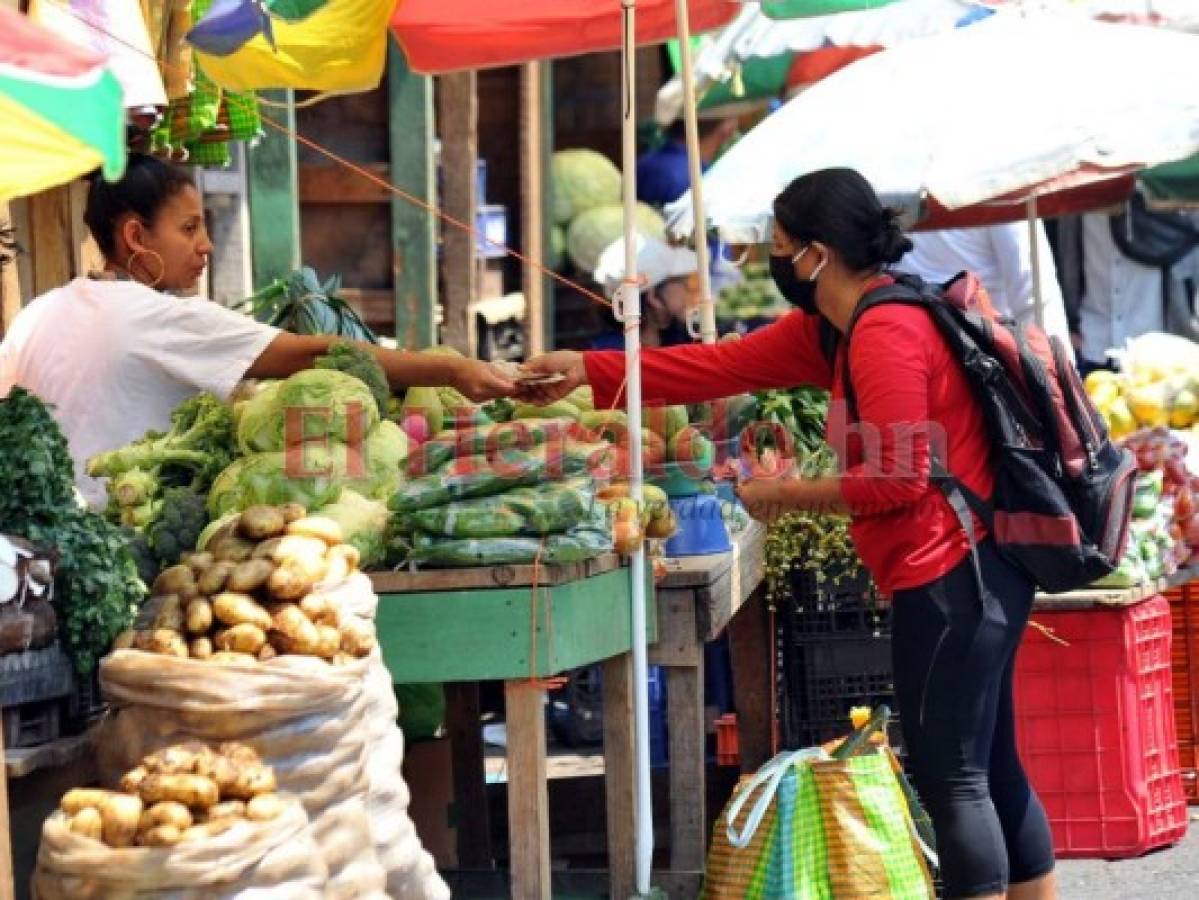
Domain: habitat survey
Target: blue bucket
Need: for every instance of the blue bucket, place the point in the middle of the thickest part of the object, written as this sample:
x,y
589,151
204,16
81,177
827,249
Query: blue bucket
x,y
701,527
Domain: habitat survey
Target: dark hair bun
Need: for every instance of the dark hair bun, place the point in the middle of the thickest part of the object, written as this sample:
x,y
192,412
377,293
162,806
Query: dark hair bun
x,y
890,244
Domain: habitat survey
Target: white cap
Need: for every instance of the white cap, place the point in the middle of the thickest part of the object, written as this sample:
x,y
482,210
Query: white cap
x,y
657,261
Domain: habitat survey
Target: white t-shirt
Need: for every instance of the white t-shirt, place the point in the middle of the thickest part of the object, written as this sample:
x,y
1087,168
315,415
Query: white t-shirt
x,y
1001,257
115,357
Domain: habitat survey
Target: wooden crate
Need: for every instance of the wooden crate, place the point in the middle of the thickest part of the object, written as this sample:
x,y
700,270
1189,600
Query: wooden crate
x,y
1184,614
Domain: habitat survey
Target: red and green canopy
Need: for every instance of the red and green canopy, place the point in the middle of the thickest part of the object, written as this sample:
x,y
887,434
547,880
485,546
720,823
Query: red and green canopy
x,y
61,113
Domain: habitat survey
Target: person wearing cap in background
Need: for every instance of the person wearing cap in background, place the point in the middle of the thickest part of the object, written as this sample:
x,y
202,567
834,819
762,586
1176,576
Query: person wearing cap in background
x,y
669,279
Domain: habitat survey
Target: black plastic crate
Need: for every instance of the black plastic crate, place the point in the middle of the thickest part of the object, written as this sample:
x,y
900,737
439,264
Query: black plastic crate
x,y
820,681
32,724
848,605
85,704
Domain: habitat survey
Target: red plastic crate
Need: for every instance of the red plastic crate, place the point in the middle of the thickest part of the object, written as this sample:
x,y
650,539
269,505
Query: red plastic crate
x,y
1184,610
1095,728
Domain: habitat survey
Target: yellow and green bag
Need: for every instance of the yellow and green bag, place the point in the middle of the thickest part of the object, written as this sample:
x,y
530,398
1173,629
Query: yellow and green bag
x,y
809,826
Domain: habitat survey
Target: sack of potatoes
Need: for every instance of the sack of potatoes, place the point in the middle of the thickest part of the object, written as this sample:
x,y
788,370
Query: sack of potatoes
x,y
250,595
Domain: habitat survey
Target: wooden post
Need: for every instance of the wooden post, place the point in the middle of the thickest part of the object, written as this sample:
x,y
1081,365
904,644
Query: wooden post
x,y
10,283
457,116
528,793
536,143
751,645
274,195
414,238
471,819
50,239
87,256
620,786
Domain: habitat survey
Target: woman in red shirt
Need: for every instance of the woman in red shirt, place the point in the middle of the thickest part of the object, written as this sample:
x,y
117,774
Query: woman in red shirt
x,y
953,673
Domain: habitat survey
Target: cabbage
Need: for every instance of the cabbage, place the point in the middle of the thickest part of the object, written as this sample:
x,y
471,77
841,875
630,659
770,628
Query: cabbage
x,y
384,451
592,232
322,403
308,477
581,180
364,523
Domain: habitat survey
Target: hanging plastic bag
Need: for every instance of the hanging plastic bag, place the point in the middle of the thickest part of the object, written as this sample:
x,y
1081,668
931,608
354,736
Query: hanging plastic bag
x,y
251,861
342,46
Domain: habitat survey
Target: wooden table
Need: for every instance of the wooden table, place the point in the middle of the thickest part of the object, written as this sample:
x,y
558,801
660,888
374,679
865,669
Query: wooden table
x,y
462,626
697,600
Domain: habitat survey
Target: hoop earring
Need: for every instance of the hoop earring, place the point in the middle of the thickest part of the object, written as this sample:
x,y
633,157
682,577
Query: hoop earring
x,y
162,266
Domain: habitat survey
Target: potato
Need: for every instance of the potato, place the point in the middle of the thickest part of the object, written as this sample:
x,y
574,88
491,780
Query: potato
x,y
357,636
124,640
170,613
199,563
162,836
226,809
198,616
179,580
232,656
196,791
251,781
168,812
297,632
328,642
200,648
132,779
224,773
120,815
337,569
264,807
319,527
306,551
177,760
266,550
261,522
236,609
250,575
243,638
320,609
239,752
214,578
292,511
208,829
290,581
231,548
168,643
266,652
80,798
348,552
87,823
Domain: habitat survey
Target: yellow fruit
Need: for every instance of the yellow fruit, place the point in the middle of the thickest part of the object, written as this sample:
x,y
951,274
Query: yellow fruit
x,y
1104,393
1148,405
859,716
1120,420
1184,410
1100,377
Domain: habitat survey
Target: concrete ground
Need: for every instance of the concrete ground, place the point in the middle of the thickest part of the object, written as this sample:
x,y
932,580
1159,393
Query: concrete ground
x,y
1169,874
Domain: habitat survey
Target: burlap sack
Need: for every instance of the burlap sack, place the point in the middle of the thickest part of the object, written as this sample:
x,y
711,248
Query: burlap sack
x,y
306,718
251,861
411,872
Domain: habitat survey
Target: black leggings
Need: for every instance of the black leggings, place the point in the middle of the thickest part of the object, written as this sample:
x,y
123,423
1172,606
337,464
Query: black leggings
x,y
953,685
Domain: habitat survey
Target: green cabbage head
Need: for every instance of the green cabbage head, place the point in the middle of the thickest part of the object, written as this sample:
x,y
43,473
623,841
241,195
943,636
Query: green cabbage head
x,y
313,405
581,180
364,523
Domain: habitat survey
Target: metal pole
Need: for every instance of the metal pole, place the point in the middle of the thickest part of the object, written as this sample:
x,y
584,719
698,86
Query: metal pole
x,y
629,313
707,304
1037,293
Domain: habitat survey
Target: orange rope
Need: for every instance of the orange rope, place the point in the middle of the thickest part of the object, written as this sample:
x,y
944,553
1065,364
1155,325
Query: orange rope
x,y
534,681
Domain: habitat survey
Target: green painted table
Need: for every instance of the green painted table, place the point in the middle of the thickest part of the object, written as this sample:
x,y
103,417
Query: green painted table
x,y
518,625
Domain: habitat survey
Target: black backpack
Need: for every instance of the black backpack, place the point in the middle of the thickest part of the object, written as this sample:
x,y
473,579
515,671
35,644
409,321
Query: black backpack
x,y
1063,491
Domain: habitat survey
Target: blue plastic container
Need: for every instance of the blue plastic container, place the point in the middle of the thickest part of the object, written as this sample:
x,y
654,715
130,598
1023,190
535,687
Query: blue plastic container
x,y
701,526
658,735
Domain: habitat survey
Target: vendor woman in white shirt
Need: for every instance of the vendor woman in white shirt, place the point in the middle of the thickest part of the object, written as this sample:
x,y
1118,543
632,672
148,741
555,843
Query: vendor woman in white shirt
x,y
115,352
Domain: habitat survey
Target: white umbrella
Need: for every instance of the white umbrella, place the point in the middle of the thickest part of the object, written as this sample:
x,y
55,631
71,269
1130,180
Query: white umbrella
x,y
1179,14
1008,108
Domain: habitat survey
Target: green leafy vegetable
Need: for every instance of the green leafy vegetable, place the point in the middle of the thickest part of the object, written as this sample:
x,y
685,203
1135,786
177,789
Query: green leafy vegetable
x,y
322,405
96,585
301,304
364,523
356,360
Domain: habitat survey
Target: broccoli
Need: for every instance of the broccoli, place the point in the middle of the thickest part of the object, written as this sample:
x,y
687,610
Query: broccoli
x,y
148,566
195,450
357,360
182,515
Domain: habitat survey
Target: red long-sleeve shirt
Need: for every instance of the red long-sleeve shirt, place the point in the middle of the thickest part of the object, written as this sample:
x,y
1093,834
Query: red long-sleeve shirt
x,y
910,390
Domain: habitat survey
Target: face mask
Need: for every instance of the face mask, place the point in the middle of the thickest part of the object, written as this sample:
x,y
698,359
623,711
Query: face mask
x,y
796,291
